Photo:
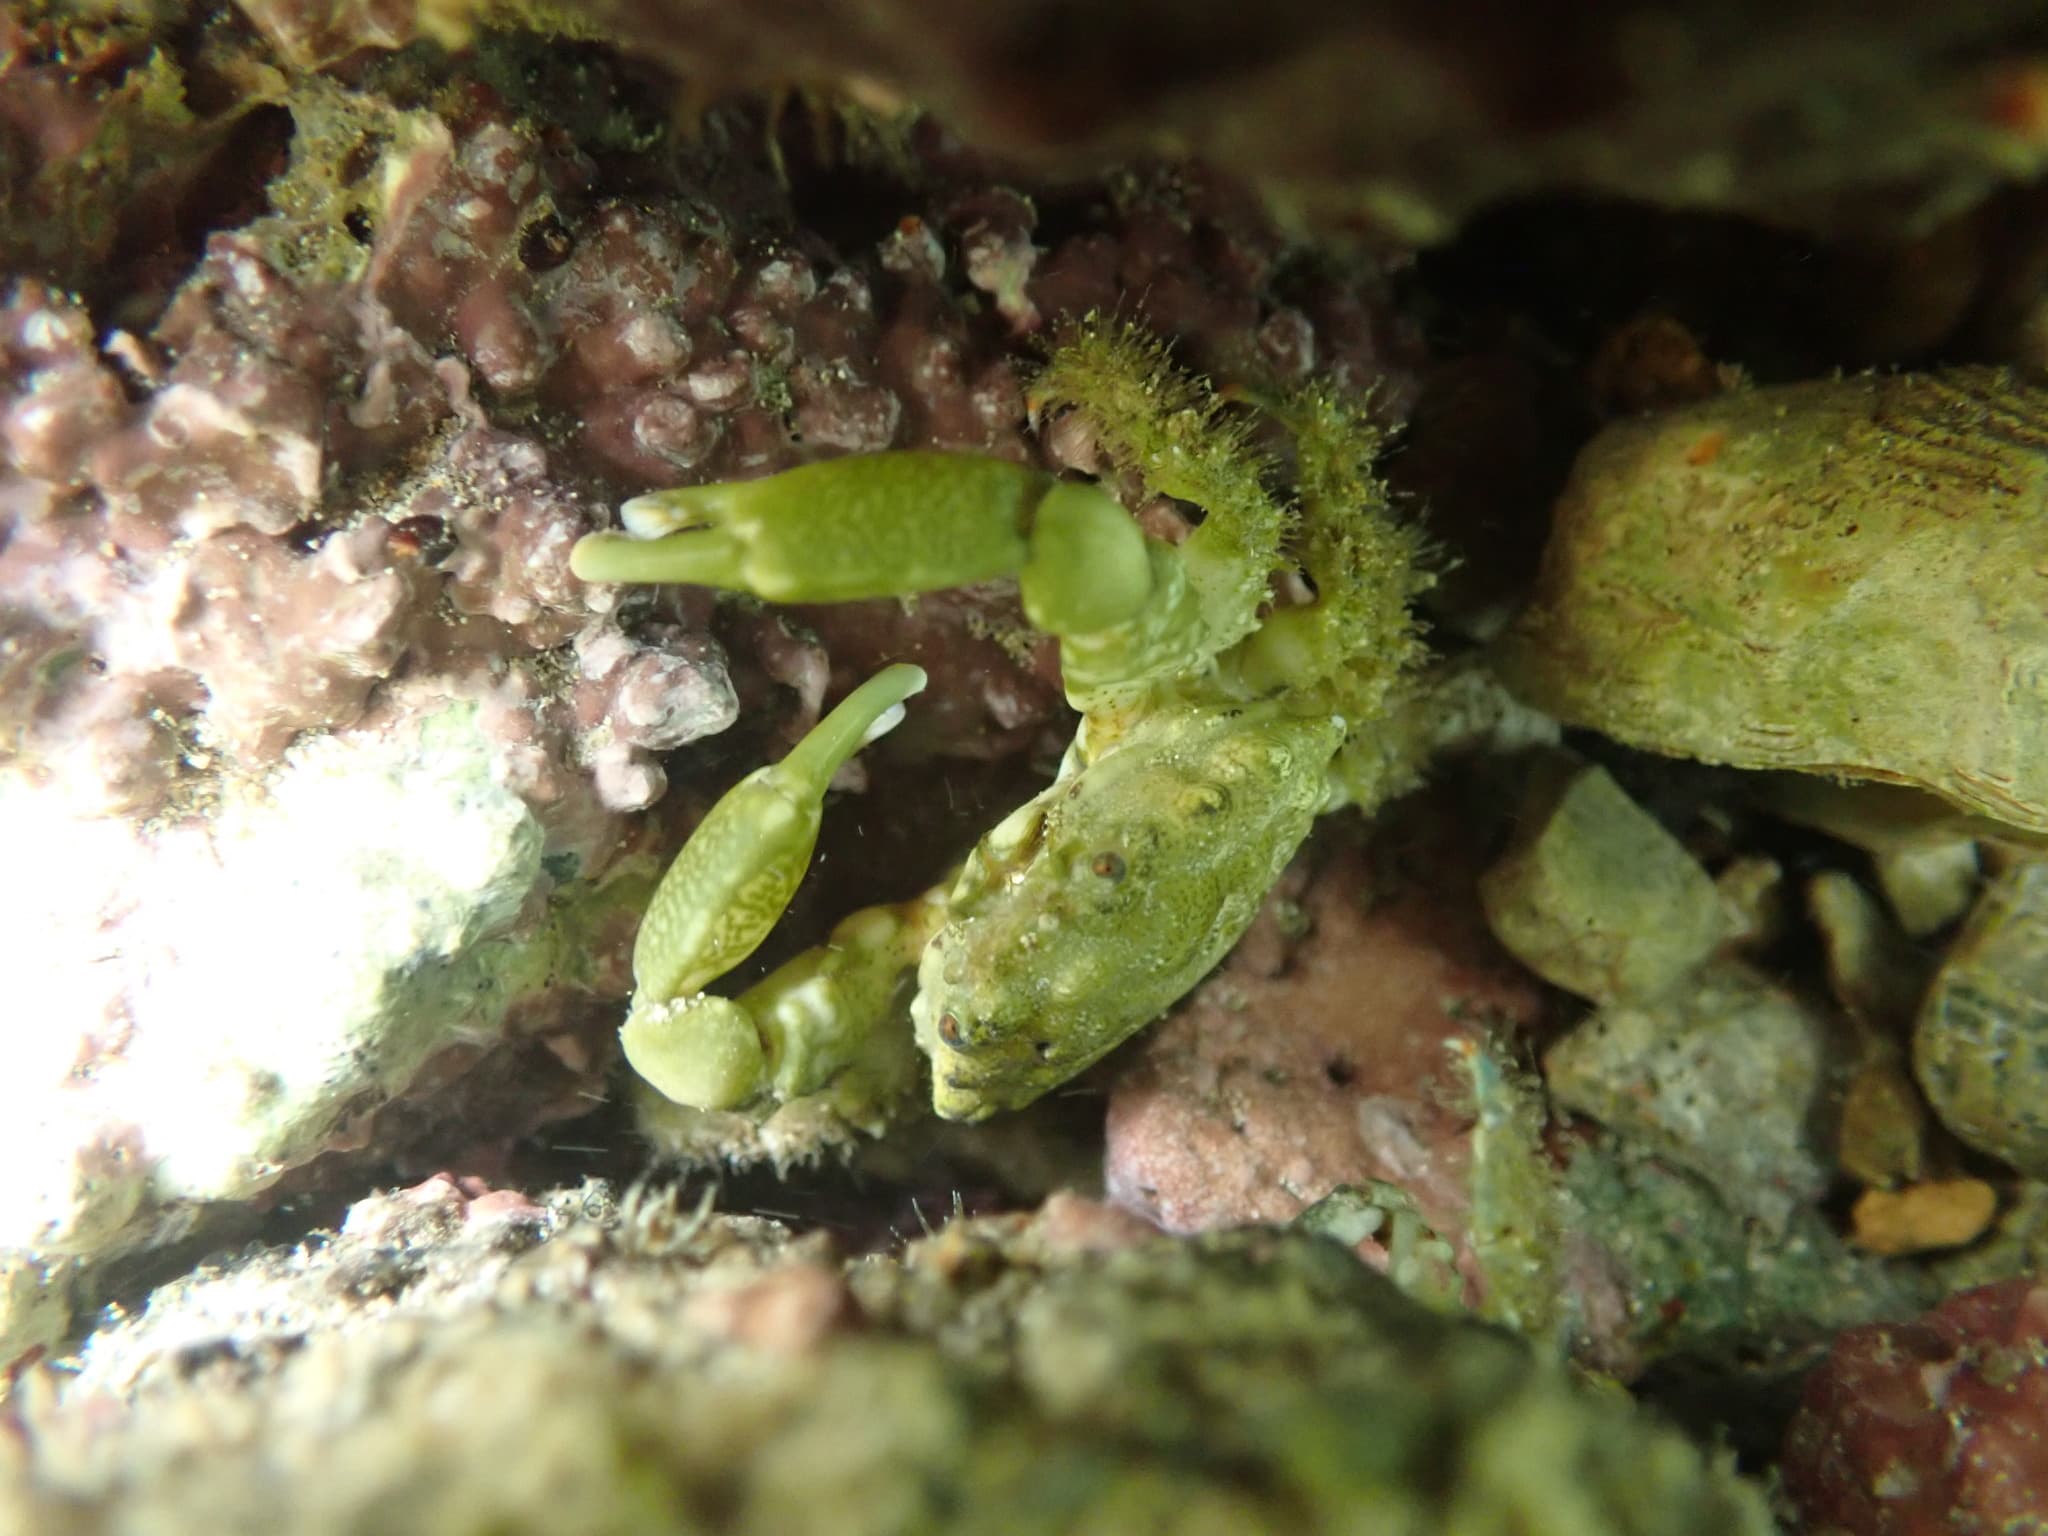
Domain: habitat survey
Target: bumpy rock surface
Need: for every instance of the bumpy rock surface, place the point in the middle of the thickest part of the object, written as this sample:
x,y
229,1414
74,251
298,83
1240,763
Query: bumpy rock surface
x,y
236,998
459,1361
1978,1048
1408,115
1595,896
1731,1078
1930,1426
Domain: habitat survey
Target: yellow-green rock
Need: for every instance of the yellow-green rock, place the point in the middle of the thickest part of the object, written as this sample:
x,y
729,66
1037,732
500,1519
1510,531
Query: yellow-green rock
x,y
1980,1048
1845,577
1595,896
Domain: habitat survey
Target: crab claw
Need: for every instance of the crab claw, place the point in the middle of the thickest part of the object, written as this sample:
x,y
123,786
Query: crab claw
x,y
868,525
701,1050
734,877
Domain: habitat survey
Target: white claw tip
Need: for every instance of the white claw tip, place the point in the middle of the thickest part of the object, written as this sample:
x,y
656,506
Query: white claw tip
x,y
651,516
885,722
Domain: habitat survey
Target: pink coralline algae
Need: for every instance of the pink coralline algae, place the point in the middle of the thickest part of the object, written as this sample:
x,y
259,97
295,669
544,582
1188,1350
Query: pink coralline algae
x,y
62,401
641,698
1930,1427
316,471
233,433
438,1207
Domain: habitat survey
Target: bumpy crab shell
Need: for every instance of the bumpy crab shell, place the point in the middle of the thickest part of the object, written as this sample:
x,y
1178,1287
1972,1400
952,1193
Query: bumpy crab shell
x,y
1846,577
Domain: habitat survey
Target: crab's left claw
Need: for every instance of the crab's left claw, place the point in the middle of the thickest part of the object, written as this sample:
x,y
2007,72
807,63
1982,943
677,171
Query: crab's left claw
x,y
834,1020
739,869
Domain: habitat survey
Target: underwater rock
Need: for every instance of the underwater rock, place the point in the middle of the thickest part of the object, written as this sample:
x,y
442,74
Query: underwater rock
x,y
1929,887
35,1311
1754,895
1929,1426
1881,1138
241,995
437,1367
1844,577
1594,895
1726,1077
1382,118
1980,1048
1922,1218
1922,850
1875,973
1878,977
1661,1264
106,146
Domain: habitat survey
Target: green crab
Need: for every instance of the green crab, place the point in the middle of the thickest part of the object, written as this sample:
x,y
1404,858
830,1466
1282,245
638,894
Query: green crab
x,y
1230,686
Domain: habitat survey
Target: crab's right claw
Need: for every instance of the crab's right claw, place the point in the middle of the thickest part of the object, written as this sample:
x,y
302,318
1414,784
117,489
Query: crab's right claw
x,y
866,525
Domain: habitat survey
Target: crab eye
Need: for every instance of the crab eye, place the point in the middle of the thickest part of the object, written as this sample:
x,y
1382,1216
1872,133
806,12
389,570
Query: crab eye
x,y
949,1029
1109,865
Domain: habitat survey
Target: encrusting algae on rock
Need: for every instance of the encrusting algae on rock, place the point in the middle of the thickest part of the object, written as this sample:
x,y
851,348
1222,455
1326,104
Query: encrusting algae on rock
x,y
456,1362
1844,577
1595,896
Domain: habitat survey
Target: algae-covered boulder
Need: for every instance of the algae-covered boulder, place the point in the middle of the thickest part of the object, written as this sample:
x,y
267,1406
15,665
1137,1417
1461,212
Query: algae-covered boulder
x,y
1844,577
455,1362
1595,896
